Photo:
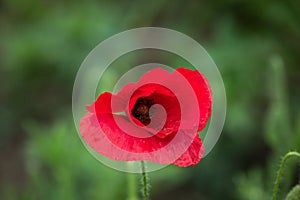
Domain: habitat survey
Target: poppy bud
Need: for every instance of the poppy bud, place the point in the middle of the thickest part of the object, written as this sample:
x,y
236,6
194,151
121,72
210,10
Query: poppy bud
x,y
294,194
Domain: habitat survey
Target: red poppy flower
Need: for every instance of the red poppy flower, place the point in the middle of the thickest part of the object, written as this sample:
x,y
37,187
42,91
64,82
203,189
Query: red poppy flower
x,y
156,119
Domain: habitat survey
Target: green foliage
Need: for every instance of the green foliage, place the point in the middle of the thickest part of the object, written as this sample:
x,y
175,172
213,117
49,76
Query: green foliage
x,y
278,118
251,186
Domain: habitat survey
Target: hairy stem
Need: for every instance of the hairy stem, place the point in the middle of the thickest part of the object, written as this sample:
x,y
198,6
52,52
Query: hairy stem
x,y
145,184
280,170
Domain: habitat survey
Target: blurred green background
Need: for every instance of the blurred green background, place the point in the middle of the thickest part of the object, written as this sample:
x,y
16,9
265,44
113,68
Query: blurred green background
x,y
255,44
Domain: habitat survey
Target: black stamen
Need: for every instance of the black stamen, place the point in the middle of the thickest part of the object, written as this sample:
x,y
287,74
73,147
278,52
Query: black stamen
x,y
141,109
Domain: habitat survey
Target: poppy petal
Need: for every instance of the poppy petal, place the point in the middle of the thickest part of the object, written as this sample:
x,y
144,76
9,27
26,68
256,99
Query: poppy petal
x,y
192,155
203,92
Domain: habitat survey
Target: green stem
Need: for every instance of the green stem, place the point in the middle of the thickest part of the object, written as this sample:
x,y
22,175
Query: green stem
x,y
279,173
145,184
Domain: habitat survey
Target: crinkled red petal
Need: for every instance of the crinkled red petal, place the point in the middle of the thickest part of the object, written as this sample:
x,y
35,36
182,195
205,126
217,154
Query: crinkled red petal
x,y
192,155
203,92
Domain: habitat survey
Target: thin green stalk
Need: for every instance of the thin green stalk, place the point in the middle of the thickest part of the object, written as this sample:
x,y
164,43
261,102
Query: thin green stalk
x,y
280,170
145,184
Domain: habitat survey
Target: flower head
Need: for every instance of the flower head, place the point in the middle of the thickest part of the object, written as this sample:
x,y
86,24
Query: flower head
x,y
156,119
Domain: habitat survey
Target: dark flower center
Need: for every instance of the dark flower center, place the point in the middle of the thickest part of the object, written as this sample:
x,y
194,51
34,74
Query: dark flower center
x,y
141,109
